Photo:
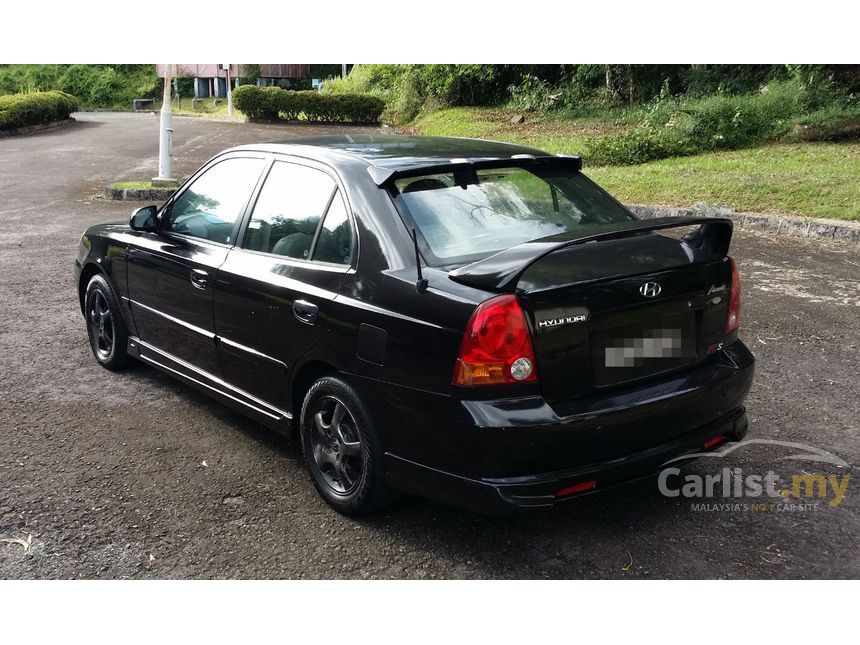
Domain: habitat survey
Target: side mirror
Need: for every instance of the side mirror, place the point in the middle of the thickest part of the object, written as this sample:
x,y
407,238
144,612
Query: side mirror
x,y
144,219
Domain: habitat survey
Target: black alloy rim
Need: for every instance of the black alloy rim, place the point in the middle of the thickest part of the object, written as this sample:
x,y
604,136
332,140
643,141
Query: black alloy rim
x,y
336,445
101,325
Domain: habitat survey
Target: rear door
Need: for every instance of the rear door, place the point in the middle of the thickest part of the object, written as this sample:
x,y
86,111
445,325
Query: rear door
x,y
171,273
273,291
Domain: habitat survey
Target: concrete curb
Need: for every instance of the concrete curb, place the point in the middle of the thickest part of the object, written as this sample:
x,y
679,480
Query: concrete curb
x,y
41,127
138,194
827,229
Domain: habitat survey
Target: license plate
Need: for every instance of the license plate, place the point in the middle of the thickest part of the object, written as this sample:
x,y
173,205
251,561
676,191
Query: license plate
x,y
654,343
635,351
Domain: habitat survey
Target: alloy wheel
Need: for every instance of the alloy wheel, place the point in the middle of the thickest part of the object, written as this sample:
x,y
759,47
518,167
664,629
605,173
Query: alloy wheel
x,y
336,445
101,325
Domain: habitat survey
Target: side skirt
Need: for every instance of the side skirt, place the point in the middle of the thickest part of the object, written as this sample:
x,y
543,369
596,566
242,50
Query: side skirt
x,y
220,390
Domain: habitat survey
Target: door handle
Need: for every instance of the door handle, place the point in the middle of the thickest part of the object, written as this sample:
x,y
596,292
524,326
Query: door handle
x,y
199,279
306,312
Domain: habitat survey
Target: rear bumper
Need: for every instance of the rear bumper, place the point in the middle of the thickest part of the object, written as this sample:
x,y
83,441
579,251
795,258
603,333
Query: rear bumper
x,y
505,495
503,454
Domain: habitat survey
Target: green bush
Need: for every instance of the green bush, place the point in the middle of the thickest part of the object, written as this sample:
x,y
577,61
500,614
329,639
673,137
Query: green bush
x,y
826,86
256,102
739,121
252,74
108,86
29,78
533,93
672,127
21,110
730,79
635,146
378,80
273,103
100,86
184,86
410,89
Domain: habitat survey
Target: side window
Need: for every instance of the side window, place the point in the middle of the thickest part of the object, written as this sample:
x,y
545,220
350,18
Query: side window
x,y
335,239
288,210
210,206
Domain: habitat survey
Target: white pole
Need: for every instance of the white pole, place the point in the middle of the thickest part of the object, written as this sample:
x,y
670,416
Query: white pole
x,y
165,142
229,94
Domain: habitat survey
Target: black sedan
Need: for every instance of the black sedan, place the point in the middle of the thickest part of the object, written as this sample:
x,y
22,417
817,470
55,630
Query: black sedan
x,y
469,321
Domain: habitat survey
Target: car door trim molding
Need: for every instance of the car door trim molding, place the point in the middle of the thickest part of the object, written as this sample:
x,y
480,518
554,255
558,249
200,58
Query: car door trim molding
x,y
224,388
214,337
232,344
173,319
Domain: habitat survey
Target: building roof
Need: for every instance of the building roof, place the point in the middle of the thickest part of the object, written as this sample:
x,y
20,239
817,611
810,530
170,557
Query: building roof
x,y
211,70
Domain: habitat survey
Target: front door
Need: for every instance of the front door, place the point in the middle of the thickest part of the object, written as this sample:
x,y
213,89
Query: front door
x,y
172,273
273,291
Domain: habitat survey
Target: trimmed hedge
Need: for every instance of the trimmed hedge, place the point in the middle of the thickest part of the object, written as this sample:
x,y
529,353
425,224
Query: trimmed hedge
x,y
274,103
22,110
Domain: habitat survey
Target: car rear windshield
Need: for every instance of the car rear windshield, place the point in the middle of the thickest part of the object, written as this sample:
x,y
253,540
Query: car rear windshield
x,y
506,206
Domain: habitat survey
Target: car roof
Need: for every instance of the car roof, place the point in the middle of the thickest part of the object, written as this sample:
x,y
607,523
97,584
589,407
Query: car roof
x,y
394,152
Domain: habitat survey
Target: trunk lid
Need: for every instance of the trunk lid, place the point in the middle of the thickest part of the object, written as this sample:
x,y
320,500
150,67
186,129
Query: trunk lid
x,y
612,308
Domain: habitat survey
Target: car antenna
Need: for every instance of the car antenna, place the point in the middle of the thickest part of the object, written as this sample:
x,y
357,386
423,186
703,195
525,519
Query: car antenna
x,y
421,284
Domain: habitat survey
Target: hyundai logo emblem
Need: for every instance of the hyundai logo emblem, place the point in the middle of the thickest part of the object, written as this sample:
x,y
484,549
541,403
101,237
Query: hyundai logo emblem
x,y
650,289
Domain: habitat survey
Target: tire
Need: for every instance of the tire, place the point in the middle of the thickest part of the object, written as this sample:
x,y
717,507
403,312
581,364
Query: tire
x,y
343,450
105,325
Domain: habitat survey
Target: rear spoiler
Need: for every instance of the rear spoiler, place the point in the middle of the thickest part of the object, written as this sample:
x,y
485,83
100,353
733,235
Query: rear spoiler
x,y
464,169
503,270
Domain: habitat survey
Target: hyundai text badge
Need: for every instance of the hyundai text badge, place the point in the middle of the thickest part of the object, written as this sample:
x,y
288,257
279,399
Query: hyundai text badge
x,y
650,289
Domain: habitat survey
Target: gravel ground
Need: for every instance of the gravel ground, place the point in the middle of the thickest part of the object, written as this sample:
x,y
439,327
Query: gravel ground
x,y
134,475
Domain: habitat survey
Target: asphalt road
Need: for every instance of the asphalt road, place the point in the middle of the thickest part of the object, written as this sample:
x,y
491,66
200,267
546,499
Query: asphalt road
x,y
135,475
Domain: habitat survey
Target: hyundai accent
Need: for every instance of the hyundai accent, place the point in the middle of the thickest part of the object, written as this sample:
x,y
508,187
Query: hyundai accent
x,y
469,321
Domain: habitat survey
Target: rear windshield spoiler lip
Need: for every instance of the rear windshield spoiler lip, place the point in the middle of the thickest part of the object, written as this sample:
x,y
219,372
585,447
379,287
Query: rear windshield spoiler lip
x,y
383,176
503,270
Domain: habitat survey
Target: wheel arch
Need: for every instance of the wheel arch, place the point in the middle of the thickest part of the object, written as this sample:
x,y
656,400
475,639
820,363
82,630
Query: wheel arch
x,y
87,272
306,375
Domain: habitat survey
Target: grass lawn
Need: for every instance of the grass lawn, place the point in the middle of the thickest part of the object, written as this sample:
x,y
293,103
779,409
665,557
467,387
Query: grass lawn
x,y
808,179
138,185
206,107
552,133
132,185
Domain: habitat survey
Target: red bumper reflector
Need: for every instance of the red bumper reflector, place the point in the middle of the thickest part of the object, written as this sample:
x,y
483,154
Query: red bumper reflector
x,y
710,443
581,487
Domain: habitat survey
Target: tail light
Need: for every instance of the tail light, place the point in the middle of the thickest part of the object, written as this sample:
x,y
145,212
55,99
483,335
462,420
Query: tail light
x,y
497,347
733,318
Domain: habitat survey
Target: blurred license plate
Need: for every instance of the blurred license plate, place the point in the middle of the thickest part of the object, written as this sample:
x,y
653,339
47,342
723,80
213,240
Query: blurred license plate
x,y
635,352
626,353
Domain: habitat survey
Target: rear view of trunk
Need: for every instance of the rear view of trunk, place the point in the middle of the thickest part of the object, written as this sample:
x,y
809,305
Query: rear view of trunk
x,y
613,308
659,306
